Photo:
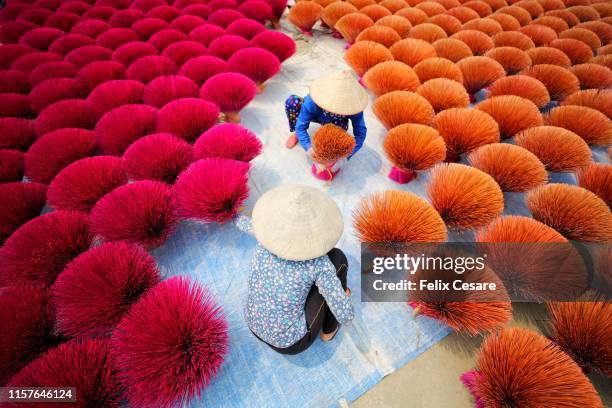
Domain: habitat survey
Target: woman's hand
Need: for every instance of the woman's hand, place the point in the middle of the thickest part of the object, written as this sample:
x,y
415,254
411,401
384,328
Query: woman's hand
x,y
348,292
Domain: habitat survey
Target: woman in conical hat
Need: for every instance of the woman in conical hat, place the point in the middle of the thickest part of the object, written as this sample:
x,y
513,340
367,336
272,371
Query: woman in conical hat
x,y
298,282
335,98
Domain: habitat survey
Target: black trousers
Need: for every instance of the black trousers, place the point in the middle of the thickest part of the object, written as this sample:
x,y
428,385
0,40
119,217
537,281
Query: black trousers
x,y
318,314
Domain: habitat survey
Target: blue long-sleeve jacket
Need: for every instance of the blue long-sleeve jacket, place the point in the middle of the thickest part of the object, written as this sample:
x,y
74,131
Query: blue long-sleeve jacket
x,y
312,113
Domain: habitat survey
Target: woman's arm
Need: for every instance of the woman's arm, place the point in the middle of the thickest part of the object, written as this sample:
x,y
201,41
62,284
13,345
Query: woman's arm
x,y
330,287
359,131
307,115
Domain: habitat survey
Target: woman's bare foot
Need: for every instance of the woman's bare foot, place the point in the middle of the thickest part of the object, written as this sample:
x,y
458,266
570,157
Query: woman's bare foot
x,y
329,336
291,141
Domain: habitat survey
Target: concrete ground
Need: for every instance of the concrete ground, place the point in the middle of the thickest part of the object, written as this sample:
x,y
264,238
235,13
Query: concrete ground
x,y
432,379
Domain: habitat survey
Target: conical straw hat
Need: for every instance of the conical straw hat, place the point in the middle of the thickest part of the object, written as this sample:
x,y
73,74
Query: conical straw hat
x,y
297,222
339,93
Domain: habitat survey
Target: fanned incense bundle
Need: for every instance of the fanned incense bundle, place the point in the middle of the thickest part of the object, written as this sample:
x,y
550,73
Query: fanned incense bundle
x,y
397,216
512,167
452,49
400,107
523,86
559,81
364,55
549,55
512,113
438,68
304,15
331,143
352,24
512,59
479,72
390,76
591,125
597,99
411,51
443,93
383,35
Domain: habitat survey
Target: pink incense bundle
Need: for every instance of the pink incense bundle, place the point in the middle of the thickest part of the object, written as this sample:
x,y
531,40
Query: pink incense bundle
x,y
182,51
224,17
147,68
245,28
28,62
115,37
256,63
96,73
164,38
160,156
9,53
227,141
68,113
230,92
130,52
126,18
85,55
98,288
11,31
167,88
40,249
278,8
412,148
54,90
142,212
11,165
56,150
276,42
187,23
17,133
21,202
112,94
331,143
206,33
81,184
176,311
226,45
28,314
257,10
50,70
12,81
187,118
304,15
166,13
41,38
212,189
146,27
90,27
15,105
200,69
87,364
120,127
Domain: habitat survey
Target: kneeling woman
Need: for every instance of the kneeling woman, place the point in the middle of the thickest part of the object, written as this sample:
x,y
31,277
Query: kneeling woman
x,y
297,286
335,98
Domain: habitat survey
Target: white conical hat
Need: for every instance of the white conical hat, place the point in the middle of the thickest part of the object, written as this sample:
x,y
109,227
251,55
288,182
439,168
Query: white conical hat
x,y
297,222
339,93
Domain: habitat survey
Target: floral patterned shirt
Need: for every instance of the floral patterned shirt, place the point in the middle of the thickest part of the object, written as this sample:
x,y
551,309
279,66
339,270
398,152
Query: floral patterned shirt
x,y
277,294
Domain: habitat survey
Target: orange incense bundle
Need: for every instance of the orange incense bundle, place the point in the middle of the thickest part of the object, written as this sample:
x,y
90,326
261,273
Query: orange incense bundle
x,y
591,125
523,86
411,51
412,148
400,107
512,167
549,55
513,39
522,15
559,81
414,15
556,23
597,177
427,32
470,312
390,76
397,216
383,35
449,24
574,211
487,26
577,51
431,8
448,4
375,12
534,8
352,24
464,197
463,14
478,41
335,11
582,34
452,49
584,12
583,329
512,113
539,34
443,93
438,68
393,5
559,149
517,367
593,76
363,55
521,277
603,30
483,9
401,25
479,72
569,17
464,130
324,3
331,143
512,59
304,15
597,99
361,3
605,60
507,22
